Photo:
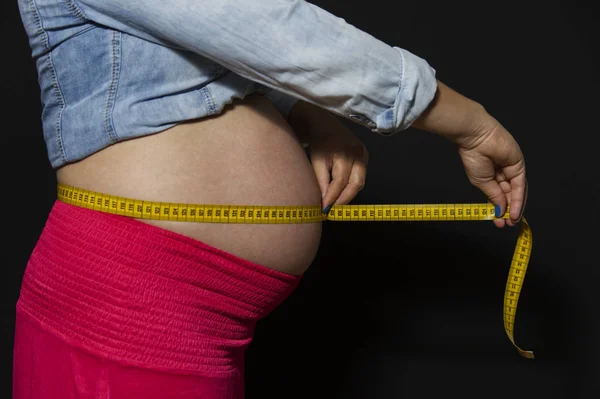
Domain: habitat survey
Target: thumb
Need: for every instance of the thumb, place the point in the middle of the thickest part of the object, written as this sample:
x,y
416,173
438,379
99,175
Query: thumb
x,y
496,195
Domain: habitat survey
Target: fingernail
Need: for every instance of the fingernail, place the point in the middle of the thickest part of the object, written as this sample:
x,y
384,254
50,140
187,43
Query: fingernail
x,y
327,208
498,211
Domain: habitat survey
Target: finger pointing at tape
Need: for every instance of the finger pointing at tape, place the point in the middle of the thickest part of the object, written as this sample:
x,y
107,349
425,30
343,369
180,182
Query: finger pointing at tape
x,y
340,165
338,157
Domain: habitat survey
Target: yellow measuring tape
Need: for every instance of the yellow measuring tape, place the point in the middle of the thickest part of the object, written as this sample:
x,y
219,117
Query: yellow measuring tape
x,y
269,214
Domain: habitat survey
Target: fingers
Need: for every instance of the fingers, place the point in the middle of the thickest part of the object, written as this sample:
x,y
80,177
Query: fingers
x,y
321,168
356,182
482,174
505,185
515,191
496,195
340,174
348,177
496,166
518,197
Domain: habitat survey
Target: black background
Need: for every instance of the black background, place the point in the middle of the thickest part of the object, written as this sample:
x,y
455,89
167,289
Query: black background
x,y
411,310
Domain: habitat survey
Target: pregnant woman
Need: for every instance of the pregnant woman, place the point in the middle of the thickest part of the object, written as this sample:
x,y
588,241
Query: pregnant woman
x,y
205,102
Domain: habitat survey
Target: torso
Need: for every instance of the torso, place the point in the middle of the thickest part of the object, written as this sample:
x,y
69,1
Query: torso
x,y
247,155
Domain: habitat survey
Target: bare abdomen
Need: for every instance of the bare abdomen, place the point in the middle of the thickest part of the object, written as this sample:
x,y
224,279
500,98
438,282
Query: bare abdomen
x,y
247,155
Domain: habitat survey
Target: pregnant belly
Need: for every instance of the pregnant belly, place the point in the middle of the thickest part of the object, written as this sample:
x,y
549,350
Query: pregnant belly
x,y
247,155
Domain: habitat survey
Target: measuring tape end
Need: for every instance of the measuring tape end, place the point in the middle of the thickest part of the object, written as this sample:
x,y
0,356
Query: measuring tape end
x,y
526,354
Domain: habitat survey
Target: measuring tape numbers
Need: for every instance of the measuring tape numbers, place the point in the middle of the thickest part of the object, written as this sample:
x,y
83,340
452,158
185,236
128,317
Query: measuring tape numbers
x,y
270,214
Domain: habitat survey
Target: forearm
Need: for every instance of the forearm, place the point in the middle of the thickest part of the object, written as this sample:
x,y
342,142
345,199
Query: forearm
x,y
453,116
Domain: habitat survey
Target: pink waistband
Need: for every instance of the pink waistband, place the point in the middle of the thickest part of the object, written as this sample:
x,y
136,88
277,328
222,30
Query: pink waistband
x,y
146,296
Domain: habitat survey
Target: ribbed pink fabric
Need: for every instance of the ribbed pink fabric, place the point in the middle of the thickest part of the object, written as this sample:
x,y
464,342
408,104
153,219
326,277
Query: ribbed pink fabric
x,y
111,307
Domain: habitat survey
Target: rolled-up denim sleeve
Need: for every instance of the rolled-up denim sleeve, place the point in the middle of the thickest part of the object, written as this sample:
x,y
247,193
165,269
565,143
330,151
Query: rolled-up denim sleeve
x,y
292,46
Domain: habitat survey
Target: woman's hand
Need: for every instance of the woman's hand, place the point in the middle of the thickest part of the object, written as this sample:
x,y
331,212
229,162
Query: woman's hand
x,y
494,163
492,158
340,163
338,157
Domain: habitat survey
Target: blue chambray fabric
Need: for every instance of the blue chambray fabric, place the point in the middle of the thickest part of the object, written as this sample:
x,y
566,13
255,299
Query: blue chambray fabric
x,y
111,70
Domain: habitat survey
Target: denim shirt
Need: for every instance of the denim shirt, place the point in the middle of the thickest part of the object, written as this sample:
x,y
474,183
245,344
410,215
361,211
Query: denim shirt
x,y
111,70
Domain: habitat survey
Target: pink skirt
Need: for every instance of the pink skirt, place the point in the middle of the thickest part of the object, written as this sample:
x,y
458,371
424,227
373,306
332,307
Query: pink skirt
x,y
111,307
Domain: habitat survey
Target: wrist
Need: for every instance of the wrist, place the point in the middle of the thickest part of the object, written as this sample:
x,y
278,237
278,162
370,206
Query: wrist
x,y
454,116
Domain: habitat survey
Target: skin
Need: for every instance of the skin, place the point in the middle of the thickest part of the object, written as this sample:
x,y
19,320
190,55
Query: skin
x,y
249,154
491,157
